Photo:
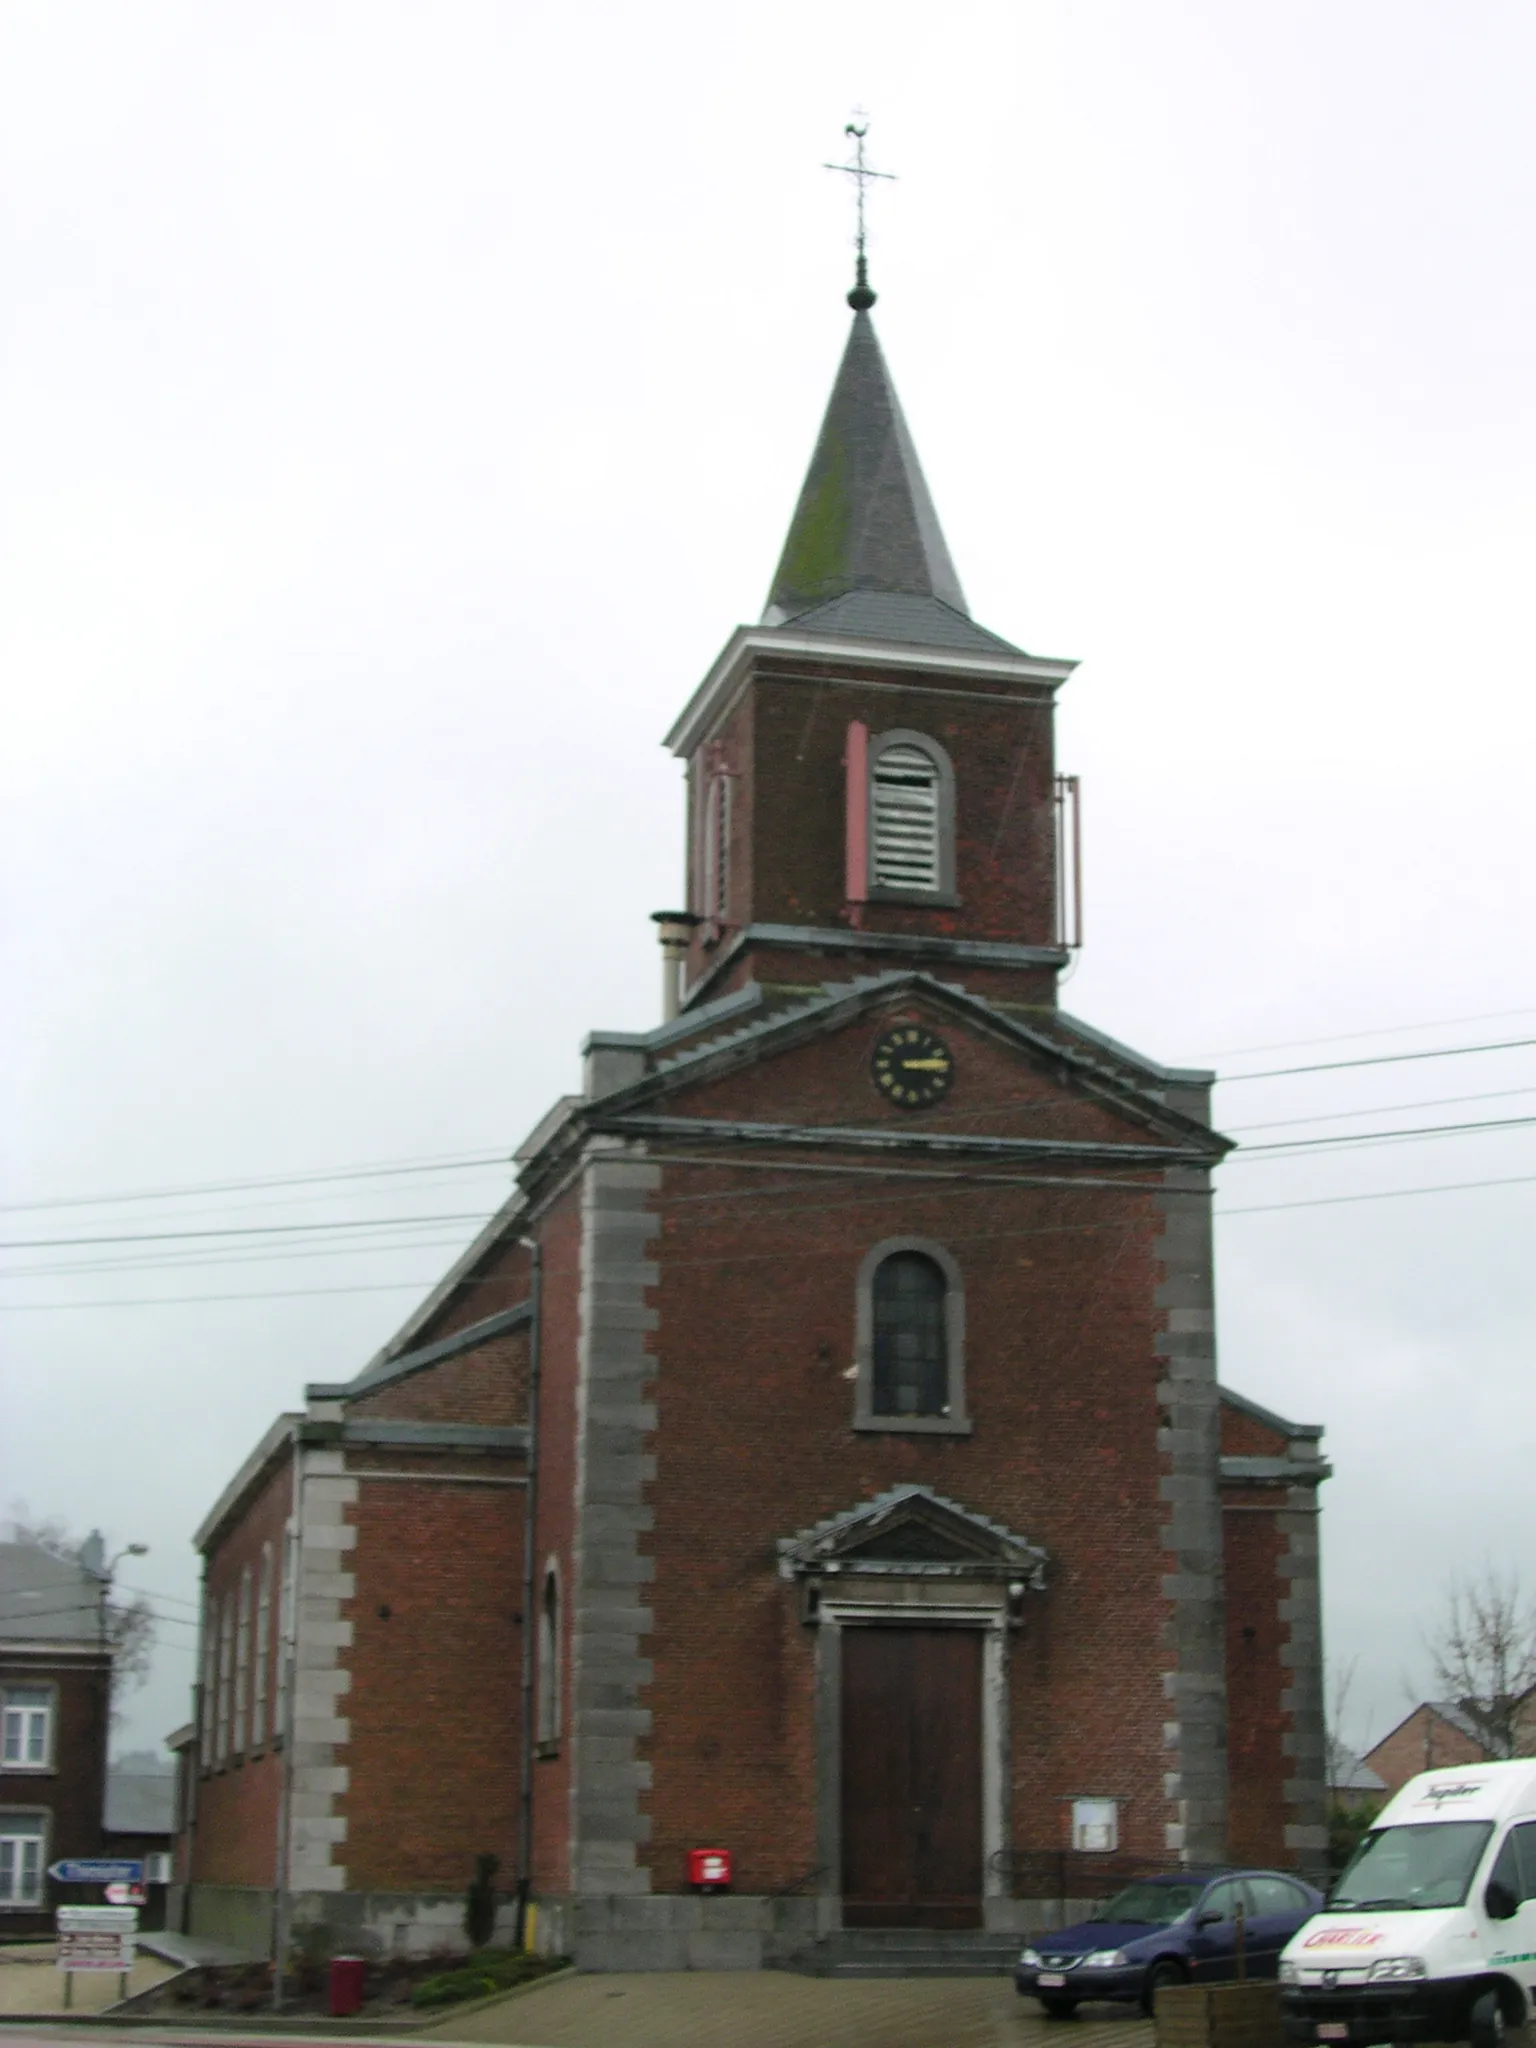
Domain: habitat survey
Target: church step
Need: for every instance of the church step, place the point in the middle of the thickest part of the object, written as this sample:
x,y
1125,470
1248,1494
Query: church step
x,y
909,1952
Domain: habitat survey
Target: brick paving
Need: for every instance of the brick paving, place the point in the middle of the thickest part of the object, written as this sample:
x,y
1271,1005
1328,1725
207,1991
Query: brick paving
x,y
771,2009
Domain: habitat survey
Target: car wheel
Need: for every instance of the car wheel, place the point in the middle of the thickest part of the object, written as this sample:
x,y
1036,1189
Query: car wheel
x,y
1058,2008
1161,1974
1486,2027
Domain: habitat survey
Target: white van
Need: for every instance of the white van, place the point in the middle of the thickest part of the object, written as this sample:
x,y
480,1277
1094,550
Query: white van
x,y
1430,1934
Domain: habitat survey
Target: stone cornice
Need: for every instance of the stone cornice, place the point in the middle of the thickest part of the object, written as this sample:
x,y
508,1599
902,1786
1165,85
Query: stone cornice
x,y
734,666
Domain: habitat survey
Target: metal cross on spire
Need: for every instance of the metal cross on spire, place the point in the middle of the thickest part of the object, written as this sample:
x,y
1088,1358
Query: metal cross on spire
x,y
861,298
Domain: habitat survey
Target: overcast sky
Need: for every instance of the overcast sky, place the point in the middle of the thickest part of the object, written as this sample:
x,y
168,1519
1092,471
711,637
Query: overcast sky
x,y
401,405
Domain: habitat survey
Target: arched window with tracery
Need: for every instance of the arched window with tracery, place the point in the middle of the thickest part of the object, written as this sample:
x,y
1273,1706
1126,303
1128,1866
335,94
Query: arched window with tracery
x,y
910,1339
910,1369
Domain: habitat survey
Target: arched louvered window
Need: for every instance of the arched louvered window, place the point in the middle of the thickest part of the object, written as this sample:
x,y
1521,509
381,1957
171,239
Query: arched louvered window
x,y
910,1339
715,867
911,816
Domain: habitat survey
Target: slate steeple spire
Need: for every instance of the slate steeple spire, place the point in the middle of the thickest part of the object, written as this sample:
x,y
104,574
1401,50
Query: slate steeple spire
x,y
865,520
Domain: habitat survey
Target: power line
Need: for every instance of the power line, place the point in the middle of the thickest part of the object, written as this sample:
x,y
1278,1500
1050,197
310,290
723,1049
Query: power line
x,y
1351,1141
1237,1052
1454,1187
748,1258
1335,1116
1384,1059
430,1163
265,1294
204,1254
28,1244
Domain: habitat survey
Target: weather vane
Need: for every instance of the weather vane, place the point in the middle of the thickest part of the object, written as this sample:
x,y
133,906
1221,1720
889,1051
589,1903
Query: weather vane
x,y
861,298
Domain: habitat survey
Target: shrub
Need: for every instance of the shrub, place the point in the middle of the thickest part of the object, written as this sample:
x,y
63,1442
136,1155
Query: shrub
x,y
488,1970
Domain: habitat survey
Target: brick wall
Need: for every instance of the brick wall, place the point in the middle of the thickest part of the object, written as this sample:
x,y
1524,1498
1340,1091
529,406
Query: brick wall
x,y
487,1386
755,1441
436,1664
1426,1741
784,744
238,1795
1257,1638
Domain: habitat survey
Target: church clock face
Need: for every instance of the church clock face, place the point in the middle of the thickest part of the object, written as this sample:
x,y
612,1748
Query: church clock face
x,y
911,1066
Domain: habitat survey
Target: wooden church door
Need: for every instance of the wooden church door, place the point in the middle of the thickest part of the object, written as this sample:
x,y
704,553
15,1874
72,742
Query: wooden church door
x,y
911,1777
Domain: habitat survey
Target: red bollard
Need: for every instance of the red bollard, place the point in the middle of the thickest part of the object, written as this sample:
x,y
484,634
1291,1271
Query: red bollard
x,y
346,1986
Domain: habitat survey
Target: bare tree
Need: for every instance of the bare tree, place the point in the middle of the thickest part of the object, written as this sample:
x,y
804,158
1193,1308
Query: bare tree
x,y
1484,1654
129,1623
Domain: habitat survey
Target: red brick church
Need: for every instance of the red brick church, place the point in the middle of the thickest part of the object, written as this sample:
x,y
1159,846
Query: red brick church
x,y
820,1457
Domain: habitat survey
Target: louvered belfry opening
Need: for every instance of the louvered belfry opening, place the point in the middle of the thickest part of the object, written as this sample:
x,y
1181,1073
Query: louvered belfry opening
x,y
911,1362
904,818
717,850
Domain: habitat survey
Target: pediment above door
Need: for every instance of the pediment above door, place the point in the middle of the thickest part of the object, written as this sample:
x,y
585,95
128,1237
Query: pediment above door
x,y
911,1532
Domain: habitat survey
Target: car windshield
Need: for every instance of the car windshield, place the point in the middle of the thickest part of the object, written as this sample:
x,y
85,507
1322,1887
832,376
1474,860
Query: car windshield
x,y
1407,1869
1154,1905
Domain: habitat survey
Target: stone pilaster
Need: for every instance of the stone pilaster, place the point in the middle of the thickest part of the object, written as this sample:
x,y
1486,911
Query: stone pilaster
x,y
610,1614
1195,1685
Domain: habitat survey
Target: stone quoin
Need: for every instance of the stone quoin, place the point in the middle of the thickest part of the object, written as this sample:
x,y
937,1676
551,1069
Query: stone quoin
x,y
820,1457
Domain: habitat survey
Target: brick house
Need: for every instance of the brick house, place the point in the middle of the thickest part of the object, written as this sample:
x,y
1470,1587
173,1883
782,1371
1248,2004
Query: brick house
x,y
55,1718
1442,1732
820,1455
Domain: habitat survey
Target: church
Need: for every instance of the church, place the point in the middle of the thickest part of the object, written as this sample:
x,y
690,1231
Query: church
x,y
808,1511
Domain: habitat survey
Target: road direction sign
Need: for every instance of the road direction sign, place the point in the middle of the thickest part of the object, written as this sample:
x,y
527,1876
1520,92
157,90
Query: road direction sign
x,y
98,1870
96,1937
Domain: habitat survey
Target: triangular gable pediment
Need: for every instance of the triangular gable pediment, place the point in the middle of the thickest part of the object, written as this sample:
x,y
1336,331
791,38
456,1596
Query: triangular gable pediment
x,y
1070,1063
912,1531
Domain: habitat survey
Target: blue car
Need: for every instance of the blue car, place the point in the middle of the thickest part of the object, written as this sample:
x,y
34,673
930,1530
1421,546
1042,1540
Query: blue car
x,y
1180,1929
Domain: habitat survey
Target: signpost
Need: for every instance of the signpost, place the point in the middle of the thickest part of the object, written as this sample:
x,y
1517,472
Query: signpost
x,y
96,1938
98,1870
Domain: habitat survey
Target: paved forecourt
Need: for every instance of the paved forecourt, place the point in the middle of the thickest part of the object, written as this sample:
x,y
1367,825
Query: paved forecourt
x,y
773,2009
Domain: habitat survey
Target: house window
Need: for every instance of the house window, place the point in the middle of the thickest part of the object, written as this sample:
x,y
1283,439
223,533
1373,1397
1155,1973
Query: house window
x,y
226,1659
21,1858
263,1650
28,1736
909,1344
548,1723
911,817
242,1660
715,868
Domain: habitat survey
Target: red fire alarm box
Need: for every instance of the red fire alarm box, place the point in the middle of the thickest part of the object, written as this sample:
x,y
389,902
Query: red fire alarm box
x,y
709,1869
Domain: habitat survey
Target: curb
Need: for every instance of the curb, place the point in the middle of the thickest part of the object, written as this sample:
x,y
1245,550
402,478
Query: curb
x,y
315,2025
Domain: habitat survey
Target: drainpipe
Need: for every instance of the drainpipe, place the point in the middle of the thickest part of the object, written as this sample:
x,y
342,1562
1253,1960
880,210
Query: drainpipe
x,y
530,1592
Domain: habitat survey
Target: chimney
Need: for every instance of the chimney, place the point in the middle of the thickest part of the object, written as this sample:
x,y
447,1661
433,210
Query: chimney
x,y
672,928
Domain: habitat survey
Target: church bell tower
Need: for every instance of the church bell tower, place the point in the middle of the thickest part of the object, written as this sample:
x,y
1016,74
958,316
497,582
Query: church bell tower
x,y
871,774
